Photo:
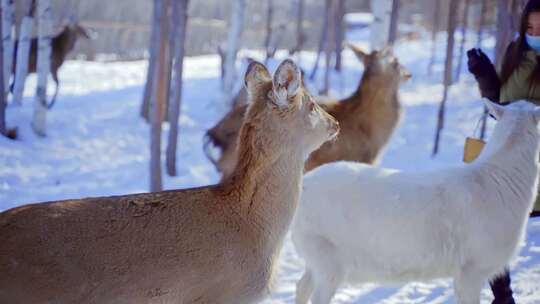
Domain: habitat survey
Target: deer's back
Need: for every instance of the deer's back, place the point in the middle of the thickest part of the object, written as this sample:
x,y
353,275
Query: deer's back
x,y
129,248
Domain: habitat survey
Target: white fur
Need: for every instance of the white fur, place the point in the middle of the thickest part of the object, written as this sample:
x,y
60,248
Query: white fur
x,y
357,223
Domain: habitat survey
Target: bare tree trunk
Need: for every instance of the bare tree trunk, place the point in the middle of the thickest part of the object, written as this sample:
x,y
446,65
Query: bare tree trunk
x,y
221,54
435,29
447,71
322,41
180,17
23,51
233,43
43,66
269,15
8,21
151,71
481,23
329,46
3,96
394,21
380,28
465,25
158,100
300,35
504,29
339,31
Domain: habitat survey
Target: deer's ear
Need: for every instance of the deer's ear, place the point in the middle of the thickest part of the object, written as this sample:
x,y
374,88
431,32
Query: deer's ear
x,y
357,51
287,81
256,74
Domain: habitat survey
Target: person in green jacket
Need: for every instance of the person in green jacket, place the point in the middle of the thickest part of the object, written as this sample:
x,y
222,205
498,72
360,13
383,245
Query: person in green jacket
x,y
519,79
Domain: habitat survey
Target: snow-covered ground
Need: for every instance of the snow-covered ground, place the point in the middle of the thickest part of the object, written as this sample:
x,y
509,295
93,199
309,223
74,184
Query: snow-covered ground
x,y
98,145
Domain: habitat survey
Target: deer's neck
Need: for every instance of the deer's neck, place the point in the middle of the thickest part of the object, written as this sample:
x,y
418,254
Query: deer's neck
x,y
374,94
269,191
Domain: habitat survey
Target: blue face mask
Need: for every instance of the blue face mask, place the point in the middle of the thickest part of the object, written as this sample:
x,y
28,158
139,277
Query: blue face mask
x,y
533,42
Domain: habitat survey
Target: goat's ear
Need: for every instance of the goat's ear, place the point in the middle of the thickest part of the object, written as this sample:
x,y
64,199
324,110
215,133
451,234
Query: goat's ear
x,y
287,82
495,109
256,74
357,51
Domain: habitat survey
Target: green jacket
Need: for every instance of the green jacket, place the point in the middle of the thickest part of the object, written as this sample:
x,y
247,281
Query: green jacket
x,y
517,88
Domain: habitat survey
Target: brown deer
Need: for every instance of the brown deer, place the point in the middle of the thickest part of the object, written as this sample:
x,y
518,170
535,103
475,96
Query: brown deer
x,y
215,244
367,118
61,45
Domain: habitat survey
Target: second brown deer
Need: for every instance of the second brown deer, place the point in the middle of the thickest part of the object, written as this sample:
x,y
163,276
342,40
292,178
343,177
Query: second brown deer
x,y
367,118
61,45
215,244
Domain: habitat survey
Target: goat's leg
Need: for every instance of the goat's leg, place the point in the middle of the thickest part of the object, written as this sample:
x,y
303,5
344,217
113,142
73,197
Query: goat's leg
x,y
326,285
304,287
467,287
328,272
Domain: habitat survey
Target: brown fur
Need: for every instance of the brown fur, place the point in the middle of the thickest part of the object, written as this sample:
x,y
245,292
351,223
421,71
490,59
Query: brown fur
x,y
215,244
367,118
61,45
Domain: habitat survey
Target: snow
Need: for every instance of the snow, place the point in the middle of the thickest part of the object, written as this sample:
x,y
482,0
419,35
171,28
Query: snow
x,y
98,145
359,19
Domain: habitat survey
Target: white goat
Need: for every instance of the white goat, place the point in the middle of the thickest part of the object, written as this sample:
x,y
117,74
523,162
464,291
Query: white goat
x,y
357,223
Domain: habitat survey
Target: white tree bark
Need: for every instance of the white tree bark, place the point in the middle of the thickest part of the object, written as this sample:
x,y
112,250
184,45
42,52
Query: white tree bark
x,y
8,20
233,42
147,95
43,66
2,96
23,50
380,28
158,101
180,17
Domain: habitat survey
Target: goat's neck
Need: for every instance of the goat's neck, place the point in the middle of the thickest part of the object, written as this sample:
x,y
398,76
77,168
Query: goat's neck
x,y
513,165
269,190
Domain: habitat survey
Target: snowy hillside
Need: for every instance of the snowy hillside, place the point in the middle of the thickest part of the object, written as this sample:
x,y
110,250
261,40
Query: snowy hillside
x,y
98,145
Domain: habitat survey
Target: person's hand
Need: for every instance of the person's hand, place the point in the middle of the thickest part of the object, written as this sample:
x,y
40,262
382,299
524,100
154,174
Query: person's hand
x,y
478,63
485,74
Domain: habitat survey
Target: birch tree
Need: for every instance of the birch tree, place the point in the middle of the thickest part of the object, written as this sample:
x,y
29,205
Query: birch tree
x,y
151,70
300,35
339,31
464,25
43,66
328,46
505,28
158,94
180,17
8,21
434,30
322,39
3,130
394,21
233,43
481,23
23,51
380,28
479,38
268,36
447,71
